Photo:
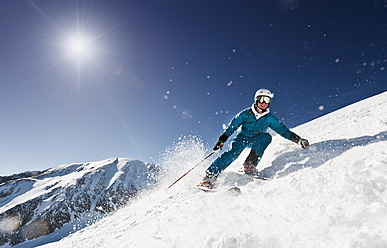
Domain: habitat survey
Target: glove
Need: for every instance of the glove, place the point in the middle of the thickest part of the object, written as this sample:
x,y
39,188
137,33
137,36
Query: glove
x,y
304,143
219,144
297,139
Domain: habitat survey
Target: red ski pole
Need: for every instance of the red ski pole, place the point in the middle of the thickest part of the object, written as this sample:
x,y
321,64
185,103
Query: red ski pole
x,y
191,169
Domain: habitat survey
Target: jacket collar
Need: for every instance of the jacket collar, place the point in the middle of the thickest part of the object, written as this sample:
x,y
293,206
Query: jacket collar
x,y
256,114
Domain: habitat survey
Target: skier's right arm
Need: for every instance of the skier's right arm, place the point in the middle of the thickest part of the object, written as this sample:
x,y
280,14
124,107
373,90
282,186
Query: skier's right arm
x,y
232,127
235,123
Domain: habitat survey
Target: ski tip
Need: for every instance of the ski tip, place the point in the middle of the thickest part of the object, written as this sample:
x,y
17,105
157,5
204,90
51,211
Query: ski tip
x,y
234,190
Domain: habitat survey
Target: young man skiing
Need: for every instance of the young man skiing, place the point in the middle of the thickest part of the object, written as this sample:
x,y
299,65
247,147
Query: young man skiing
x,y
253,123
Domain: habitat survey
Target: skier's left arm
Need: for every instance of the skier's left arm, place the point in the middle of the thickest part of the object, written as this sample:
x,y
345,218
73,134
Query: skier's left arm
x,y
282,130
297,139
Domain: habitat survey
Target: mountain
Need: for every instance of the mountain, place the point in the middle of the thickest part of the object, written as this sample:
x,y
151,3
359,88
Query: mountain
x,y
37,203
333,194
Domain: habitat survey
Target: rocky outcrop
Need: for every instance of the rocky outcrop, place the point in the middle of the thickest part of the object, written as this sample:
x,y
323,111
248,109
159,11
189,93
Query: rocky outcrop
x,y
33,204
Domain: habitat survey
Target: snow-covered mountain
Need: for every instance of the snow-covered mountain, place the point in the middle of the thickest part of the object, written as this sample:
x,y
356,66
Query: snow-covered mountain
x,y
333,194
33,204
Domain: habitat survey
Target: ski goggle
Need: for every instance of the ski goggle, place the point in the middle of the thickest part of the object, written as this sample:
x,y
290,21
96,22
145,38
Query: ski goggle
x,y
262,99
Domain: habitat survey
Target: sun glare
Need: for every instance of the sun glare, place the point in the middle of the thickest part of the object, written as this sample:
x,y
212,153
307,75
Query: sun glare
x,y
78,40
78,47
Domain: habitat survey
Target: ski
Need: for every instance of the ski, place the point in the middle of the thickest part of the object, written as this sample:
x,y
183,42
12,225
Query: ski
x,y
254,176
213,190
205,189
259,177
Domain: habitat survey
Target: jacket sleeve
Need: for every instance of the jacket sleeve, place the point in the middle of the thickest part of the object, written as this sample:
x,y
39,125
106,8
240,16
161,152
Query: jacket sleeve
x,y
235,123
280,128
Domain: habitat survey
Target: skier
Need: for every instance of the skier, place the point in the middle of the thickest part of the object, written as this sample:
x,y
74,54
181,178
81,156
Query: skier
x,y
253,123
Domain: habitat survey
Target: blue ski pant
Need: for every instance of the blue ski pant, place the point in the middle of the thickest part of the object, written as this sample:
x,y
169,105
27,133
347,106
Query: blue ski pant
x,y
238,144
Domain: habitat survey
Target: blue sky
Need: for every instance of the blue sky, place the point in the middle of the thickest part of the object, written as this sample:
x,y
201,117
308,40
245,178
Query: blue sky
x,y
151,72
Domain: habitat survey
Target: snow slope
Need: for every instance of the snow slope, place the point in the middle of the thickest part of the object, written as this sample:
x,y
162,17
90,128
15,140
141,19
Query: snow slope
x,y
333,194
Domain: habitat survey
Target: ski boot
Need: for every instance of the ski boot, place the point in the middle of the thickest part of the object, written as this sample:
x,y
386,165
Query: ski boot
x,y
208,181
249,169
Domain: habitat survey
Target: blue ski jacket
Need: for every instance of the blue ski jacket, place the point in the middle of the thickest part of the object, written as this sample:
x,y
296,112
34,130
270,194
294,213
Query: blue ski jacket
x,y
249,126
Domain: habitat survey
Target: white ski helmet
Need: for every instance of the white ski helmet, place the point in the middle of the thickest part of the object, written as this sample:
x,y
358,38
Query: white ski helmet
x,y
263,92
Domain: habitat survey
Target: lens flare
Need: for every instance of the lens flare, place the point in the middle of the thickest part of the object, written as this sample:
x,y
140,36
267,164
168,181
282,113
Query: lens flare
x,y
10,224
36,229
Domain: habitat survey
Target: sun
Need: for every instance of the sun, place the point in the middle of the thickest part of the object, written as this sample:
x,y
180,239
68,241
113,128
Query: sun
x,y
77,42
78,47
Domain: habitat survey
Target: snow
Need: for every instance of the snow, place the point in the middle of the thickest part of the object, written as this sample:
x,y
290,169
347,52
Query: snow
x,y
333,194
119,172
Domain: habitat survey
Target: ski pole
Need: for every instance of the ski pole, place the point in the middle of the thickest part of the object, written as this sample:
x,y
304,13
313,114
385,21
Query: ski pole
x,y
191,169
